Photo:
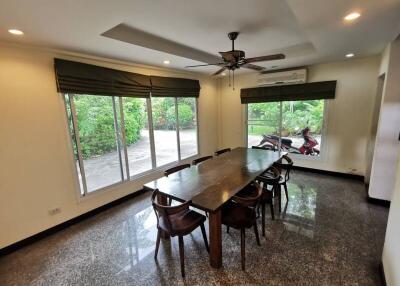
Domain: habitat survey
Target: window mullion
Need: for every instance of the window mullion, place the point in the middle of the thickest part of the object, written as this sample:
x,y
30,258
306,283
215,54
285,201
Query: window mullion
x,y
78,143
197,126
280,126
121,112
151,132
116,128
178,140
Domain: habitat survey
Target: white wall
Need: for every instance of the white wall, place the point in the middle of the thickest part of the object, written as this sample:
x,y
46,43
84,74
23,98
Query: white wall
x,y
37,168
348,115
383,171
391,248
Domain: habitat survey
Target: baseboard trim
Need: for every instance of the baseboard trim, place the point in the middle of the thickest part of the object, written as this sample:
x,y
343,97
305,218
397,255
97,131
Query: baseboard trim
x,y
376,201
330,173
379,202
29,240
382,273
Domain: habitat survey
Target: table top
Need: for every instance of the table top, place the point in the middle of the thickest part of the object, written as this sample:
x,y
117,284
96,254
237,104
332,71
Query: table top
x,y
213,182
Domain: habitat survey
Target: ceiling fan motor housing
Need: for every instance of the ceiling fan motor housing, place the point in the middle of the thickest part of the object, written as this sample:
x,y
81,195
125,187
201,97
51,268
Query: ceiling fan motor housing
x,y
233,35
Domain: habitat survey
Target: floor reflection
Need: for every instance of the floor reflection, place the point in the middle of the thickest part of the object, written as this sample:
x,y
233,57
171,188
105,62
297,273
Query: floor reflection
x,y
141,232
299,213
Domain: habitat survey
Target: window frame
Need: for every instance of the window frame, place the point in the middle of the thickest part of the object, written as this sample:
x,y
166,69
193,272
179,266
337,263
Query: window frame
x,y
126,177
323,149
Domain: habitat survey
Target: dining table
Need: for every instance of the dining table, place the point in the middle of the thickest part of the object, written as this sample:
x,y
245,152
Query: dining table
x,y
209,185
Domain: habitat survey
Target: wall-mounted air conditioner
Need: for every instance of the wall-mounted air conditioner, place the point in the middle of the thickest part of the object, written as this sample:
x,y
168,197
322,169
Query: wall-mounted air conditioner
x,y
283,77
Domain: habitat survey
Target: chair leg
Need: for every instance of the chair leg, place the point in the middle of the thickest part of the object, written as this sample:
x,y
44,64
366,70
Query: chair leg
x,y
242,247
256,233
286,192
203,231
182,255
263,219
157,243
169,201
227,229
280,197
272,211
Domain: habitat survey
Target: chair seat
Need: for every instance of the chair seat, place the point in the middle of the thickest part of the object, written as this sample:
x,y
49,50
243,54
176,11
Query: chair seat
x,y
237,216
183,223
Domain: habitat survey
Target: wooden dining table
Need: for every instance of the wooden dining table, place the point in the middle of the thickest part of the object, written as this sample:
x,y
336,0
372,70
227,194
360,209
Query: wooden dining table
x,y
212,183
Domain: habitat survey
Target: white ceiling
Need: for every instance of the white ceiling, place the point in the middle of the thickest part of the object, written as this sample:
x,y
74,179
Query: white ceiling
x,y
307,31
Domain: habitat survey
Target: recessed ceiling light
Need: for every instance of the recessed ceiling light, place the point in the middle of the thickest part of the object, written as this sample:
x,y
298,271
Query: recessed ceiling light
x,y
352,16
166,62
16,32
223,74
350,55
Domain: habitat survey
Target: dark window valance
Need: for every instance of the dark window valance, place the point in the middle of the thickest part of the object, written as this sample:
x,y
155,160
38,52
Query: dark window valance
x,y
80,78
293,92
174,87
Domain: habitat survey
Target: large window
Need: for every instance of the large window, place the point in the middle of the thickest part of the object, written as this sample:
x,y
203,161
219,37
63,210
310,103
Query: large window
x,y
292,126
116,139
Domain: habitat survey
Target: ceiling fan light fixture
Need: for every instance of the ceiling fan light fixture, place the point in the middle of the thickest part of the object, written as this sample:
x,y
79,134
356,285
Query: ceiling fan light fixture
x,y
352,16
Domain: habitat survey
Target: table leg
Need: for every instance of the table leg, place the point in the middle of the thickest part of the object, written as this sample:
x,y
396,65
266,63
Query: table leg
x,y
215,239
163,200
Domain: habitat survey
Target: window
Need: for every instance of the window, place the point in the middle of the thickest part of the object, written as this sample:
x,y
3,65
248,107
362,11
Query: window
x,y
295,126
113,139
187,126
137,135
165,135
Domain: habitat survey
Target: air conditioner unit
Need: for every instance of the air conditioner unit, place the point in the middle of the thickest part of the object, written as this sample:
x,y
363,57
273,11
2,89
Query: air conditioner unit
x,y
283,77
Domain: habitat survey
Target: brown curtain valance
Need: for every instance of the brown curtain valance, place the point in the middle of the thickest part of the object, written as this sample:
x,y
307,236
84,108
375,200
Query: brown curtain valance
x,y
293,92
174,87
80,78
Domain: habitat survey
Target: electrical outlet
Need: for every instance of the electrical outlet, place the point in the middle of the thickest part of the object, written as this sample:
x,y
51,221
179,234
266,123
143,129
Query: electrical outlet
x,y
54,211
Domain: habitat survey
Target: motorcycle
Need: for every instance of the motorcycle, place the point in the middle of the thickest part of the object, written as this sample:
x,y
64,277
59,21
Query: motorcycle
x,y
271,142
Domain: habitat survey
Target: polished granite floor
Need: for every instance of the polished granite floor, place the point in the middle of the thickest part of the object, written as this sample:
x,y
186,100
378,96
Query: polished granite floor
x,y
327,235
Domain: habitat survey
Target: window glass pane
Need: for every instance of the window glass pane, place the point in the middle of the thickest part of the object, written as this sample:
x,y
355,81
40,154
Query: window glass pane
x,y
137,135
95,116
302,123
73,140
187,126
263,124
164,124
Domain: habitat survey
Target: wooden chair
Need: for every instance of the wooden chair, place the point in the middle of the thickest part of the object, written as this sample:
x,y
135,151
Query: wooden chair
x,y
284,165
174,170
199,160
177,221
219,152
270,181
240,213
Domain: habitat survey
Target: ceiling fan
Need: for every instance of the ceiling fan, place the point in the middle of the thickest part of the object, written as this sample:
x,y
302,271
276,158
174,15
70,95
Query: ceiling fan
x,y
235,59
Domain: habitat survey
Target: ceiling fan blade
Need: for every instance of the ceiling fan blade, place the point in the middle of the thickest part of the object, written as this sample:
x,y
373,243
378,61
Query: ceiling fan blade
x,y
219,71
216,64
252,67
265,58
